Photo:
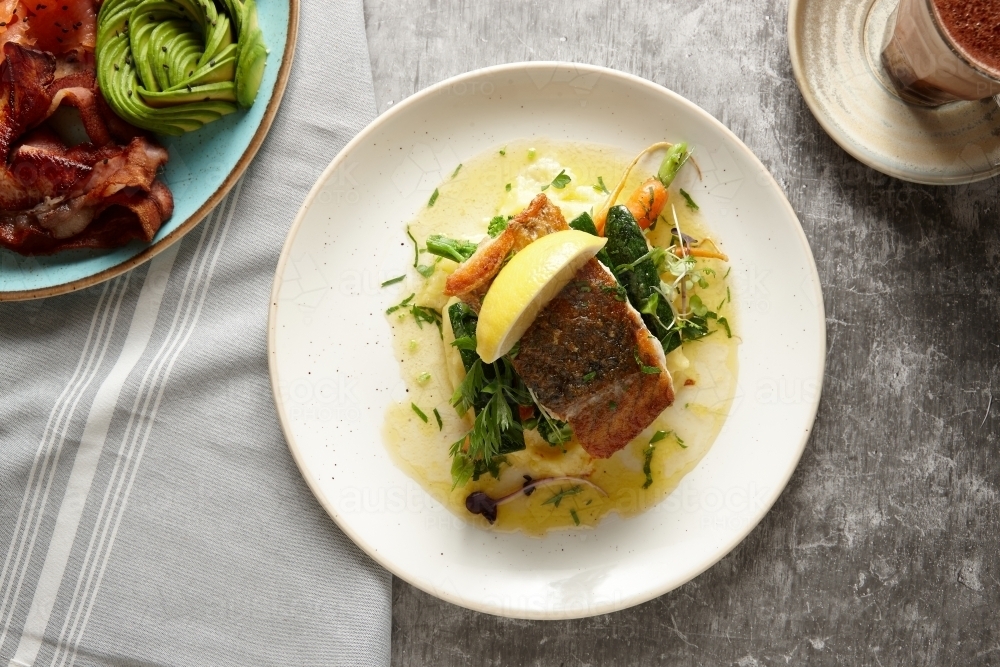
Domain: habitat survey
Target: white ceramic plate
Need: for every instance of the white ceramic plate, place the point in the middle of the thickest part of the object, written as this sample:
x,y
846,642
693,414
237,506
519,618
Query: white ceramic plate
x,y
334,374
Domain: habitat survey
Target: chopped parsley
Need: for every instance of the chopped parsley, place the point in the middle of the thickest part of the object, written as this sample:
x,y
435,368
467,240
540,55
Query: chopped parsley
x,y
416,247
424,314
425,270
648,370
589,377
434,198
562,494
393,281
420,413
690,202
659,435
601,187
724,323
507,187
402,304
559,182
420,313
503,151
647,464
618,291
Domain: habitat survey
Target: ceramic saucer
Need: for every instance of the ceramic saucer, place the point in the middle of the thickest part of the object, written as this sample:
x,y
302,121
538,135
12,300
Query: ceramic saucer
x,y
835,49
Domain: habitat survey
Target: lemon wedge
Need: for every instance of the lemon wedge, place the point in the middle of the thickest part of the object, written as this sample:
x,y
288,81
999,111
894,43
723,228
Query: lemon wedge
x,y
529,281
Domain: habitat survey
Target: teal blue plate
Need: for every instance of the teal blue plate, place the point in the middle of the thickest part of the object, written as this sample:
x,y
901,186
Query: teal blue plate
x,y
203,166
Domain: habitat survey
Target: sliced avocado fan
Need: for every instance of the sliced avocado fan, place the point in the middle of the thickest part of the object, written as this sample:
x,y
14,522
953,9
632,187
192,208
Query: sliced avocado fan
x,y
171,66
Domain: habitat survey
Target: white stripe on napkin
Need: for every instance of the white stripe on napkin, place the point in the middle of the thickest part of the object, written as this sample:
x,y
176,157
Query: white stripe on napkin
x,y
130,453
85,465
50,449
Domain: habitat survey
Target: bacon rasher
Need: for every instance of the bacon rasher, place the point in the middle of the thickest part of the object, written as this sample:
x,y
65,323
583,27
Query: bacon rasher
x,y
98,194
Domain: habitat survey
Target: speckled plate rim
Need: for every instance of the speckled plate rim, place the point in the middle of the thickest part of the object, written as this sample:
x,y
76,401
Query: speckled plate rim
x,y
159,246
386,561
842,140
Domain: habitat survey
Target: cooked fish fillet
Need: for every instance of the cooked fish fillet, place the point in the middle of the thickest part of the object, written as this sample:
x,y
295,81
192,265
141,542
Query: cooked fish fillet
x,y
475,275
581,359
585,353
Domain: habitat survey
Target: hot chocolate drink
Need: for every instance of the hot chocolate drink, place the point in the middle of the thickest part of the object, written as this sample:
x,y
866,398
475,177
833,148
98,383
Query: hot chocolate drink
x,y
974,28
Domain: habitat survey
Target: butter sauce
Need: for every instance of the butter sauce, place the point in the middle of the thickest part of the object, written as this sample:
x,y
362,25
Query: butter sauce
x,y
704,372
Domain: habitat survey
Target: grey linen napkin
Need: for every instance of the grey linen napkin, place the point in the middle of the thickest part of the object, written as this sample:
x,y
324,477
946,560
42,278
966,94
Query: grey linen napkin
x,y
150,513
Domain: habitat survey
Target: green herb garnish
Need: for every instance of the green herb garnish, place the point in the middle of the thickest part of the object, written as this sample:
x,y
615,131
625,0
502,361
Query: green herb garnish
x,y
416,247
496,226
648,370
423,378
507,187
437,416
560,495
559,182
503,151
618,291
425,270
647,463
724,323
393,281
452,249
424,314
494,391
589,377
659,435
457,169
434,198
601,187
690,202
420,413
552,430
402,304
576,519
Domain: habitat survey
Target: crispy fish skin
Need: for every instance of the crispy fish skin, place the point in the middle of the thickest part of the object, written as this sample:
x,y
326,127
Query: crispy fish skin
x,y
589,327
474,276
579,359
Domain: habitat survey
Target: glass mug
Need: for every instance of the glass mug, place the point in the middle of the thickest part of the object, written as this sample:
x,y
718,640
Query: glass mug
x,y
935,56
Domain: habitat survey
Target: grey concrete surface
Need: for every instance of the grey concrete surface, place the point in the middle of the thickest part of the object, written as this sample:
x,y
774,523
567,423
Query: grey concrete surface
x,y
883,549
